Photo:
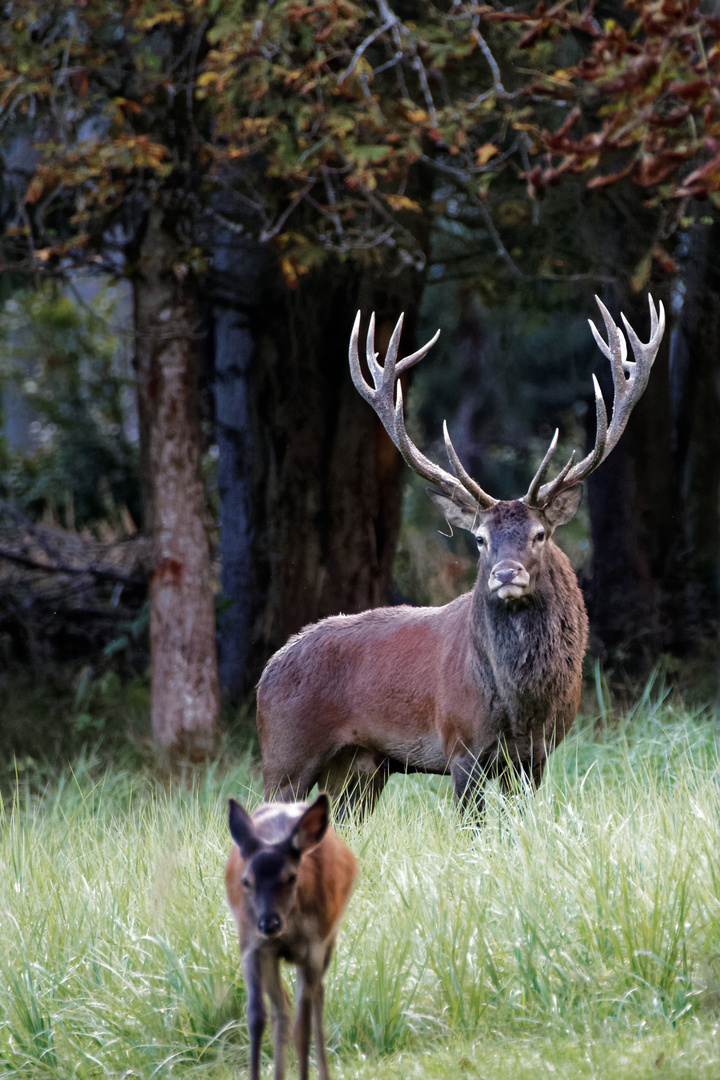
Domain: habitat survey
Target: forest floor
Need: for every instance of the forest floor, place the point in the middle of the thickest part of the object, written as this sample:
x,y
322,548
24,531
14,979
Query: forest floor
x,y
574,934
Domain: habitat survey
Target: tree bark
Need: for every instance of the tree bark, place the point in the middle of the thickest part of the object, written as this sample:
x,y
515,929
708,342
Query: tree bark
x,y
630,501
334,491
695,399
240,294
312,483
184,696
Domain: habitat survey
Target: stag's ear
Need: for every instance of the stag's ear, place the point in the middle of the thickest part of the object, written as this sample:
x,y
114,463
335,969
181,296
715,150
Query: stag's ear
x,y
312,826
461,511
242,830
564,506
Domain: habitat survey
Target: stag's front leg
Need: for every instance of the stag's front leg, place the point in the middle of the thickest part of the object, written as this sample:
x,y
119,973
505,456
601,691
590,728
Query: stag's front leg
x,y
525,773
281,1012
468,779
256,1014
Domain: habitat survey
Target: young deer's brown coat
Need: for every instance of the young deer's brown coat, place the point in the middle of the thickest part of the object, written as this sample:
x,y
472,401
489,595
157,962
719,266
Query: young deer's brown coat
x,y
289,877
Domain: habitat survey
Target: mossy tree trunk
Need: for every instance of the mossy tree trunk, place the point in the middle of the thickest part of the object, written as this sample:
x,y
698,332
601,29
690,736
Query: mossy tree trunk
x,y
184,697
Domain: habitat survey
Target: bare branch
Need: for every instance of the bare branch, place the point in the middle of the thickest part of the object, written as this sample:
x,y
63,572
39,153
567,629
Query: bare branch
x,y
268,234
66,568
498,88
422,76
364,45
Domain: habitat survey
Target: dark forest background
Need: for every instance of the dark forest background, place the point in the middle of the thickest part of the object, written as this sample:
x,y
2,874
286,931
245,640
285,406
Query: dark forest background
x,y
196,198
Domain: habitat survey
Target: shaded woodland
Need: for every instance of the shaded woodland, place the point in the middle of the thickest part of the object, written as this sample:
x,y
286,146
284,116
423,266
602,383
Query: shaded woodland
x,y
197,198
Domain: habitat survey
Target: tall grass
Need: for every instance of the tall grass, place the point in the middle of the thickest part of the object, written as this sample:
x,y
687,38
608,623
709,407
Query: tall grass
x,y
576,932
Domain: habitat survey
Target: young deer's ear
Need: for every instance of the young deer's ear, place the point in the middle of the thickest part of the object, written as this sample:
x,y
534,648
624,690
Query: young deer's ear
x,y
242,830
563,507
312,826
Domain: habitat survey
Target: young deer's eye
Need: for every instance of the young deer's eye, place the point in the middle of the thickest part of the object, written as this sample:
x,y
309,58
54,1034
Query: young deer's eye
x,y
480,541
246,883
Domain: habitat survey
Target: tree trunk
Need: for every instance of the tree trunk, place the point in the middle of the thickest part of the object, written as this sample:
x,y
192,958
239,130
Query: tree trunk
x,y
242,270
184,697
310,483
654,502
629,499
334,493
695,395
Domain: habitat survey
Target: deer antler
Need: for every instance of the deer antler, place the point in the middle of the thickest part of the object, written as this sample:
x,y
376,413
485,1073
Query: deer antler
x,y
629,381
391,414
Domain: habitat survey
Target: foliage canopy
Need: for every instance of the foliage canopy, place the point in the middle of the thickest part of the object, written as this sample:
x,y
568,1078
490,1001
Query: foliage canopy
x,y
341,126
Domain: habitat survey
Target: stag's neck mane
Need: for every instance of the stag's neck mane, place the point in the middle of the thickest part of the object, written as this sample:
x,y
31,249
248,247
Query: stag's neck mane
x,y
524,644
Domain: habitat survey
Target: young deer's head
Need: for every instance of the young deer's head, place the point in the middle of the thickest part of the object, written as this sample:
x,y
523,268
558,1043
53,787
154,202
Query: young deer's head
x,y
270,865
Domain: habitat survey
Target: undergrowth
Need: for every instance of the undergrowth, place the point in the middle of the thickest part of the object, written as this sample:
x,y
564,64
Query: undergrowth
x,y
576,931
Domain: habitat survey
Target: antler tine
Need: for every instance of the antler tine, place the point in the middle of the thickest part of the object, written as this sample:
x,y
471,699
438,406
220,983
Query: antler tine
x,y
629,378
555,485
629,381
574,474
417,461
413,358
356,374
370,355
486,501
542,470
388,405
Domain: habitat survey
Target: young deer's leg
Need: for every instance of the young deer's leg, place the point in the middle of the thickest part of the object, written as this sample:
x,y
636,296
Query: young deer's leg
x,y
281,1011
302,1021
256,1013
319,1019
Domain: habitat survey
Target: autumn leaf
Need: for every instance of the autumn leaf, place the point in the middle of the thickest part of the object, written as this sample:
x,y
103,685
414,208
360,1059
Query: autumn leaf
x,y
160,18
484,153
402,202
642,273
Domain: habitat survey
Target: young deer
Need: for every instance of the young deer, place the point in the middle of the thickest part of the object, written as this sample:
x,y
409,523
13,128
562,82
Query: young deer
x,y
288,878
486,685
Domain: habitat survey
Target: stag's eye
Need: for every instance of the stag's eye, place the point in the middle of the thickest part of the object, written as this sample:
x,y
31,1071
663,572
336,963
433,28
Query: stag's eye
x,y
540,536
480,541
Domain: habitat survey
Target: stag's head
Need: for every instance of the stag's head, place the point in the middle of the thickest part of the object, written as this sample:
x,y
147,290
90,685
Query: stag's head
x,y
511,536
512,539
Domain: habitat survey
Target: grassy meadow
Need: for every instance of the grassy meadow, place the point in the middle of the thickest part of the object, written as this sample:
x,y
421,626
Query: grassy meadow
x,y
574,934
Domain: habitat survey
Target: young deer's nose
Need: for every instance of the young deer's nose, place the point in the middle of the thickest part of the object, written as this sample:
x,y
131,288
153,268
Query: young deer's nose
x,y
269,924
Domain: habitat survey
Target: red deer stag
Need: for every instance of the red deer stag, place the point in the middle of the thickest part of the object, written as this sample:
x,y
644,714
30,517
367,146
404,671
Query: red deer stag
x,y
288,878
485,686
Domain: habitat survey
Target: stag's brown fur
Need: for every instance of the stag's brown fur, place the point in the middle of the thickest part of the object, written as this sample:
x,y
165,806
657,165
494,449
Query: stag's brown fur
x,y
487,684
472,688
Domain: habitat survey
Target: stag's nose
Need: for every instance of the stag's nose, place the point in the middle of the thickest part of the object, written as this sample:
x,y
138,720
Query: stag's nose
x,y
508,579
269,924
